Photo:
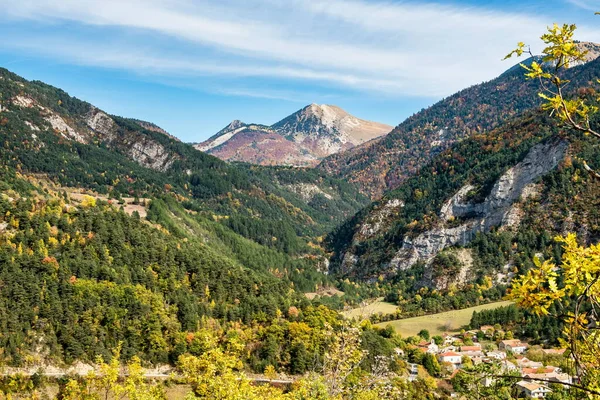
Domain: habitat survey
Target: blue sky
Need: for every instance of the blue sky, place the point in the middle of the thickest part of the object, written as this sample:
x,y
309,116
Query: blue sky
x,y
192,66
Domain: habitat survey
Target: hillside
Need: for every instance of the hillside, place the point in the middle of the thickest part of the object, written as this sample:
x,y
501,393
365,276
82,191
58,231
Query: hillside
x,y
301,139
382,165
75,144
478,212
111,232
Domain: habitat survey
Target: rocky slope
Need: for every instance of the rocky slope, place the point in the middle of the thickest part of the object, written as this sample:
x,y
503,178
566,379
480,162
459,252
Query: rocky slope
x,y
384,164
514,183
499,209
302,139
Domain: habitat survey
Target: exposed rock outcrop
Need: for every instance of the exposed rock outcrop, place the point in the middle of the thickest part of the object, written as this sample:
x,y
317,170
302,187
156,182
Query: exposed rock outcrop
x,y
141,149
496,210
59,125
307,191
101,124
379,217
151,155
443,279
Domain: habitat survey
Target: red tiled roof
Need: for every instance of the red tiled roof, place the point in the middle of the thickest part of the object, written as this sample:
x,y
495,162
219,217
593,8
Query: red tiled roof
x,y
449,354
470,348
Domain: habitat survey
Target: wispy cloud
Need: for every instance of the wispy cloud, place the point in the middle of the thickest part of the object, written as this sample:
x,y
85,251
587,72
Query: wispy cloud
x,y
590,5
393,48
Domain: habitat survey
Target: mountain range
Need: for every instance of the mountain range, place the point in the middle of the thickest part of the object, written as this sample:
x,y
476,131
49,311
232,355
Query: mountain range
x,y
301,139
113,231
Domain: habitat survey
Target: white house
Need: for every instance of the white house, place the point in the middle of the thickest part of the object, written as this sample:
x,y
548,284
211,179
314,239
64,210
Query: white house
x,y
551,376
507,366
450,357
498,355
445,348
449,339
429,347
515,346
527,363
533,390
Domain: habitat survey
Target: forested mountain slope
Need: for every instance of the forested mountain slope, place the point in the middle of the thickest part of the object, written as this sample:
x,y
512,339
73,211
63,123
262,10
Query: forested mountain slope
x,y
79,277
75,144
111,232
479,211
385,163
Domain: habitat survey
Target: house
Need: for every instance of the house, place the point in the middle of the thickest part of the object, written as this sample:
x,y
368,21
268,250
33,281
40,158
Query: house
x,y
507,366
478,360
449,348
487,329
554,352
450,357
471,354
429,347
514,346
497,355
550,376
471,334
475,347
543,370
525,362
449,339
532,390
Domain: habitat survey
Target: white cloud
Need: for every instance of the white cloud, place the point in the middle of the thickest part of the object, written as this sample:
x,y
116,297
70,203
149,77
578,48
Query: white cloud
x,y
402,48
589,5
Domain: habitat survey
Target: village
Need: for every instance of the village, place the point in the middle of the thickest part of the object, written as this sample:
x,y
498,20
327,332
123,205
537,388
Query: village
x,y
455,352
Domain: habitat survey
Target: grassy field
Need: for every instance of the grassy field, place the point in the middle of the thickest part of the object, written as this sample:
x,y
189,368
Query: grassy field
x,y
378,306
436,323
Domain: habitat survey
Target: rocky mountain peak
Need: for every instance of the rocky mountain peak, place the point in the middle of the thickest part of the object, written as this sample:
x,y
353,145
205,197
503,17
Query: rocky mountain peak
x,y
235,124
592,49
305,137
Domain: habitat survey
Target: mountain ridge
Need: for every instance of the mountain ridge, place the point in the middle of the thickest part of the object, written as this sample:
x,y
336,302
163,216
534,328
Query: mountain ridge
x,y
306,137
382,165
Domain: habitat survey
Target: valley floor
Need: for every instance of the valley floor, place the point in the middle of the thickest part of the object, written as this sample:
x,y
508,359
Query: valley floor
x,y
437,324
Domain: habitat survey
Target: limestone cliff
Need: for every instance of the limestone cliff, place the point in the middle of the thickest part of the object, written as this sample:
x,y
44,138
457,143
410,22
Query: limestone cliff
x,y
496,210
375,248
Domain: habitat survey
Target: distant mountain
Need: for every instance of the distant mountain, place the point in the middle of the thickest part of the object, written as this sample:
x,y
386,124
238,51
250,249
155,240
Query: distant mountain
x,y
384,164
301,139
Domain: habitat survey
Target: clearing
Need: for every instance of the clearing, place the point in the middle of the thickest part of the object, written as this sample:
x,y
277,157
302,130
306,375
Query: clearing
x,y
437,324
365,311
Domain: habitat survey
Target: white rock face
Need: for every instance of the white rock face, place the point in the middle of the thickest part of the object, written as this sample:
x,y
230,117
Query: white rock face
x,y
498,209
151,155
31,126
349,262
308,190
100,123
142,150
23,101
442,280
59,125
378,218
456,205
